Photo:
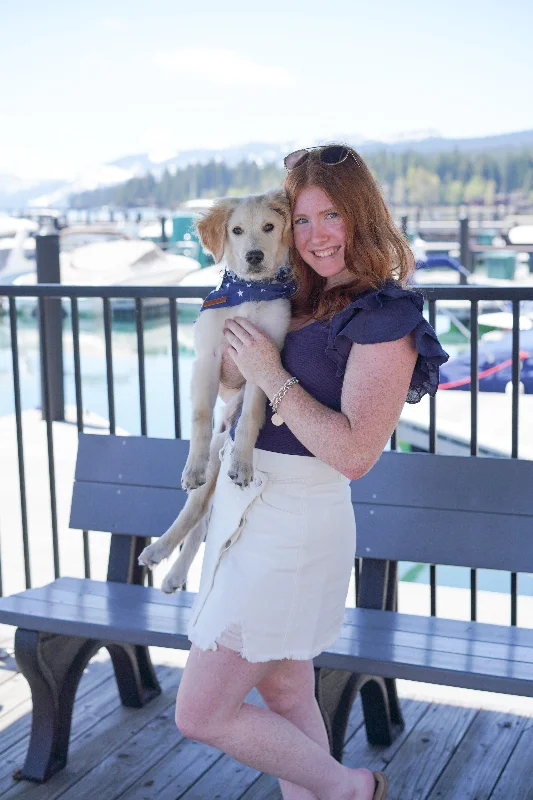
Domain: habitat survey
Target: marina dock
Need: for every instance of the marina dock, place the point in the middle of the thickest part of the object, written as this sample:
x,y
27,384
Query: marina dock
x,y
453,423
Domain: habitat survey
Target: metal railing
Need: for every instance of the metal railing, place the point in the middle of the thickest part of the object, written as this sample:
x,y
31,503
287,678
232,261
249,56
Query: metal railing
x,y
43,293
511,296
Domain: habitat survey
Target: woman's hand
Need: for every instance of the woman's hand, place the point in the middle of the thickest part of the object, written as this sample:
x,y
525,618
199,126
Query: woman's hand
x,y
230,376
254,352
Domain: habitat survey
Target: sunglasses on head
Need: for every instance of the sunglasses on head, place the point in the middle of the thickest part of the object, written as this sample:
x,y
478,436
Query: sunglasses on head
x,y
330,154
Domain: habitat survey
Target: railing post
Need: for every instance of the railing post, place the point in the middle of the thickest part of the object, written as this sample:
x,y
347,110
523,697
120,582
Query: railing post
x,y
164,237
47,255
465,256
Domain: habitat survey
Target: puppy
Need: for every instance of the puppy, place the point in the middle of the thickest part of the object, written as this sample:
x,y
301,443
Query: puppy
x,y
252,234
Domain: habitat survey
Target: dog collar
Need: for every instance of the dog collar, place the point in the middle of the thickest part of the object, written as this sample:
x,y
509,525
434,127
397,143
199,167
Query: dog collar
x,y
233,290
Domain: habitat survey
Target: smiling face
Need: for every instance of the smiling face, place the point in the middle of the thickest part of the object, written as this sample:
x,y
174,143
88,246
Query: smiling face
x,y
252,233
320,235
255,246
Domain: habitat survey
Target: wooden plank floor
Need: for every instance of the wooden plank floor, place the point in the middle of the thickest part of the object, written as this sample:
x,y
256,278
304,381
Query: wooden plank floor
x,y
457,744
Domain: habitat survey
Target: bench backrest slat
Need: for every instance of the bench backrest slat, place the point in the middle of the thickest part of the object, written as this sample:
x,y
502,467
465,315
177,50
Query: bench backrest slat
x,y
135,460
433,509
132,510
128,484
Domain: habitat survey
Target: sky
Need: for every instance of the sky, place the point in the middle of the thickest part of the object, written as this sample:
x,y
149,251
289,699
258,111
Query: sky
x,y
87,83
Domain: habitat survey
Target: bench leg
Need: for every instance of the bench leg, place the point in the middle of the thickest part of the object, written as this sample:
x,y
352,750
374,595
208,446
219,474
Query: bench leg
x,y
395,708
53,665
383,720
136,679
336,690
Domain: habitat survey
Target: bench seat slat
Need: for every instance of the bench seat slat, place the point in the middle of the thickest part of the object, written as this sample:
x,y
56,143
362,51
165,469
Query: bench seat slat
x,y
133,611
441,626
123,607
443,644
96,623
393,656
444,669
114,589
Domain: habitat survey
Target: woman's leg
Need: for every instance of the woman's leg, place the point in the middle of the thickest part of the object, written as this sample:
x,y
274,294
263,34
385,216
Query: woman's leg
x,y
289,690
210,708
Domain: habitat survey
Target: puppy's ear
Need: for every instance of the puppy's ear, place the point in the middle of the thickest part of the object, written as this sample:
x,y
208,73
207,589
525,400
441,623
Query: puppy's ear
x,y
279,202
212,226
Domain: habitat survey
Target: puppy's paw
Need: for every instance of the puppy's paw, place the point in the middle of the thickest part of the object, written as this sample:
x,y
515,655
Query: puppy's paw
x,y
155,553
194,475
241,472
174,579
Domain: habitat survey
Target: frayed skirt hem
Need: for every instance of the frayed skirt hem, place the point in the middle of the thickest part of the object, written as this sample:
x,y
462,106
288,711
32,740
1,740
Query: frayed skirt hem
x,y
255,658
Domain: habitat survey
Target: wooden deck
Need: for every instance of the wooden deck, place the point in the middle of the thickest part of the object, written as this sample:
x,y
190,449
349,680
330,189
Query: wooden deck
x,y
457,744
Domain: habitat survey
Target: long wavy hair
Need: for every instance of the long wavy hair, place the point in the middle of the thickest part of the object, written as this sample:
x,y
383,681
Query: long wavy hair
x,y
376,251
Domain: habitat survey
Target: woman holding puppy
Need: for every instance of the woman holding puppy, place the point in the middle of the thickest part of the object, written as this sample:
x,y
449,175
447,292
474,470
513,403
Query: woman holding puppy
x,y
357,348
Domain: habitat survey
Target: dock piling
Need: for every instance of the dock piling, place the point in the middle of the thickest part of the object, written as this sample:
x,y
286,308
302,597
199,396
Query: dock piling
x,y
465,256
51,326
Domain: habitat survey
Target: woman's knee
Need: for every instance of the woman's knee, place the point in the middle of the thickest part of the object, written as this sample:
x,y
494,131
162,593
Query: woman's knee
x,y
193,721
212,690
288,688
195,713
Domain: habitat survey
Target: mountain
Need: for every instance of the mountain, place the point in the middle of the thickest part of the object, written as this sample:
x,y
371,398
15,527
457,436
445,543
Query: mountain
x,y
16,193
438,144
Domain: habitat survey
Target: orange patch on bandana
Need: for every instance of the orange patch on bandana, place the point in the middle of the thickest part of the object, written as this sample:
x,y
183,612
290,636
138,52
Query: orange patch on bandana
x,y
215,301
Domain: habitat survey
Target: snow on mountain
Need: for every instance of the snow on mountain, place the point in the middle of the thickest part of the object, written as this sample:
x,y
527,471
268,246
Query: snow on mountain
x,y
9,184
94,177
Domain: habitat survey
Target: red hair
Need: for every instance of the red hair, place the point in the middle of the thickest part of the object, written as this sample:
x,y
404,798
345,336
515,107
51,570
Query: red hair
x,y
376,251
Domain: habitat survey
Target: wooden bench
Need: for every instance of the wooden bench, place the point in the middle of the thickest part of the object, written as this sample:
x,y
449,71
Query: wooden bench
x,y
415,507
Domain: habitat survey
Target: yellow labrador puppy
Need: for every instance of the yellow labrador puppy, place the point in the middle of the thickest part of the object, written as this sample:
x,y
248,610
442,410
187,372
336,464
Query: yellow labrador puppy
x,y
252,234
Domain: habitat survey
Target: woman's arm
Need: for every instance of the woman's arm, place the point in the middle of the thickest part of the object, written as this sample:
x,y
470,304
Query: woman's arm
x,y
231,378
375,385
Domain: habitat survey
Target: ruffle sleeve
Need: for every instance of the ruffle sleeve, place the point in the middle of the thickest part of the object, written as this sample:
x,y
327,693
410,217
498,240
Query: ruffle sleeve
x,y
384,315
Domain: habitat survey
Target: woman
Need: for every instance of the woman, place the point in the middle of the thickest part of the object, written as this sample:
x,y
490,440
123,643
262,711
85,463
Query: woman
x,y
279,553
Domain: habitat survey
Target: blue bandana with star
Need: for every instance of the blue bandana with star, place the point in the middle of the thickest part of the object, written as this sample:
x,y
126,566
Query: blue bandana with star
x,y
234,290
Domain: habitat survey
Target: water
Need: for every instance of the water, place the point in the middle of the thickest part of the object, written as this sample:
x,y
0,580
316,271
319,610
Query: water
x,y
159,399
158,368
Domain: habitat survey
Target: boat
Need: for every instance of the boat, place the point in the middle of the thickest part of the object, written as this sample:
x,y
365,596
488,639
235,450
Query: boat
x,y
521,234
17,247
445,270
117,261
207,277
494,365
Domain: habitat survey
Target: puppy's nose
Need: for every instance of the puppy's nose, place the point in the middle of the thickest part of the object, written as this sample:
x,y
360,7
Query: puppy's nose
x,y
254,257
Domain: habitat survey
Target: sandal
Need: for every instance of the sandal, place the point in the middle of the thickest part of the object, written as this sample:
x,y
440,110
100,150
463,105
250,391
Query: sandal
x,y
382,785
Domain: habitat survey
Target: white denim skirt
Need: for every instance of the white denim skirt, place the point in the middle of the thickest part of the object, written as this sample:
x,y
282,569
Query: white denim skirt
x,y
278,560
